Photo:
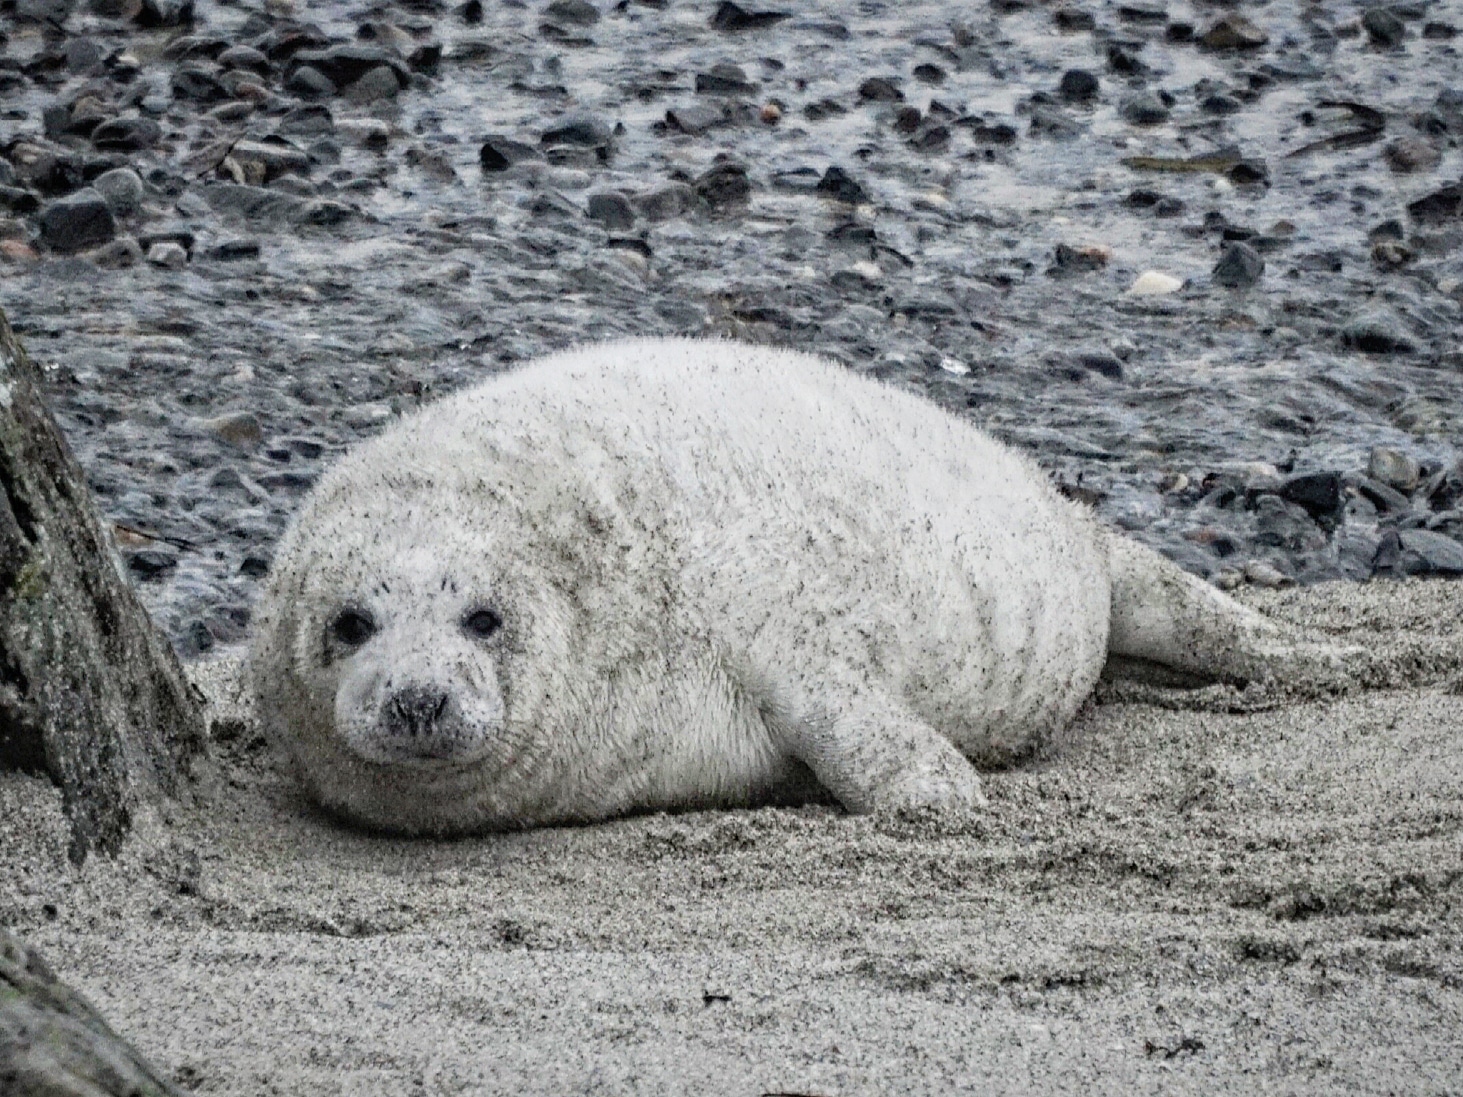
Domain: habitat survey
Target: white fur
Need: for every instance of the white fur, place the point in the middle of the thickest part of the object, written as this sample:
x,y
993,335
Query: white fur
x,y
725,573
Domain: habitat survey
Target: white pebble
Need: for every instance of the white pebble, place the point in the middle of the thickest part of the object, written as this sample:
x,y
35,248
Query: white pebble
x,y
954,365
1154,283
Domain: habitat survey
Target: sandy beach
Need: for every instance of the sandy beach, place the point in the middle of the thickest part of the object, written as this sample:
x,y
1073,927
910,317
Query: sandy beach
x,y
1195,892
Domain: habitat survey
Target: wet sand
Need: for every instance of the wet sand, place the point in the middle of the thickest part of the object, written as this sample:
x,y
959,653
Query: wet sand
x,y
1195,892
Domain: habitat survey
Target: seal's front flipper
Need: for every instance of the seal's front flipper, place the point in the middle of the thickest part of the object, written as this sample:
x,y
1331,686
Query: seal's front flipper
x,y
872,753
1162,614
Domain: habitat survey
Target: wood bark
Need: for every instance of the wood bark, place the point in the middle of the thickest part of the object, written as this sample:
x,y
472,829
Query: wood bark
x,y
90,694
54,1044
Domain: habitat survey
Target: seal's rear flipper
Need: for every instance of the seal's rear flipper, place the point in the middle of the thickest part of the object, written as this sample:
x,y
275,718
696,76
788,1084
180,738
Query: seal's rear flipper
x,y
1162,614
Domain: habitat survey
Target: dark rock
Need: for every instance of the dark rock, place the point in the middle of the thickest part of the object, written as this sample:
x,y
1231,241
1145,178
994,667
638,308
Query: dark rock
x,y
695,118
1144,109
345,64
1078,86
1219,103
612,210
1101,362
1418,552
1122,58
1051,122
1239,266
1067,260
233,250
1281,523
309,82
18,200
78,221
878,89
1437,31
244,57
1073,20
1233,32
1383,27
499,153
1439,207
471,12
665,203
724,78
1384,498
1412,154
380,82
1319,493
574,13
837,183
126,134
165,13
729,16
307,121
123,190
723,185
929,74
200,85
581,131
1376,333
151,563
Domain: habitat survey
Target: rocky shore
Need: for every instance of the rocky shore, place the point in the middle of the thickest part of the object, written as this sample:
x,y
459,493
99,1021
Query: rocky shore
x,y
1203,261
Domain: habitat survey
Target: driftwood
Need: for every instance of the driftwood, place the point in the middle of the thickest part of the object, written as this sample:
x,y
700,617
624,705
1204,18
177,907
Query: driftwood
x,y
90,694
53,1043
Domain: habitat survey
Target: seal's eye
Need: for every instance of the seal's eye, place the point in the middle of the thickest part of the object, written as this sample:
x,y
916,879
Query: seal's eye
x,y
353,627
481,623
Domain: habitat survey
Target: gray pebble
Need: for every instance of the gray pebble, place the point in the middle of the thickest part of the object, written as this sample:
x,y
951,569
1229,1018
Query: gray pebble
x,y
80,220
122,188
612,210
576,13
1144,109
1393,468
1376,333
169,254
1078,86
1383,27
1240,265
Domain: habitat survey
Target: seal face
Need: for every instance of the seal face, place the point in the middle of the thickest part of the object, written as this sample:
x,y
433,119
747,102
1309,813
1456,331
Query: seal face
x,y
669,573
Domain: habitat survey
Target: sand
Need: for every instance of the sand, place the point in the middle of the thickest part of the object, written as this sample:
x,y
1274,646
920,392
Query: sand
x,y
1194,892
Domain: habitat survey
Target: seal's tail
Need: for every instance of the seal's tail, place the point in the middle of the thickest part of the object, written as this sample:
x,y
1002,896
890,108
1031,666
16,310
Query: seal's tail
x,y
1162,614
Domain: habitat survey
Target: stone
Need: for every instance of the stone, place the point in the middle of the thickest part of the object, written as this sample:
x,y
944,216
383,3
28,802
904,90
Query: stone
x,y
1233,32
1393,468
1154,283
499,153
1144,109
1078,86
880,89
837,183
309,82
239,428
734,17
126,134
78,221
1376,333
1439,207
123,190
1239,266
1320,494
695,118
574,13
723,185
1383,27
612,210
377,83
582,130
169,254
1408,155
1418,552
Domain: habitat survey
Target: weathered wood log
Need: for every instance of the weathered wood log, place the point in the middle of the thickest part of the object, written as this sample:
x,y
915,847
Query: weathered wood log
x,y
53,1043
90,694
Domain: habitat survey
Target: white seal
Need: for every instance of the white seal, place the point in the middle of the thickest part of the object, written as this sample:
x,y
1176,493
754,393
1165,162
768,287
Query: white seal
x,y
670,573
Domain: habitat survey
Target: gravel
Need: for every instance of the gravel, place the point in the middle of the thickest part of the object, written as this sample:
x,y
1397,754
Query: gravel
x,y
1039,218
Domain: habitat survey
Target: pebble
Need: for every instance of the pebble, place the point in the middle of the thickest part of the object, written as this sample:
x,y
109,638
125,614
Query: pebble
x,y
1265,575
1233,32
1144,109
122,188
1155,283
1239,266
168,254
1393,468
612,210
1376,333
723,185
1383,27
576,13
1413,154
1078,86
1418,552
78,221
240,428
499,153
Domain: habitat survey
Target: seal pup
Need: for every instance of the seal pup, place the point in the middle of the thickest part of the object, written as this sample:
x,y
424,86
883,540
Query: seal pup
x,y
670,573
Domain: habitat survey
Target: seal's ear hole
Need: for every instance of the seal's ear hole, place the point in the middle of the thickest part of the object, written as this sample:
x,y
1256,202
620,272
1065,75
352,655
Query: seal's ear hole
x,y
353,627
481,623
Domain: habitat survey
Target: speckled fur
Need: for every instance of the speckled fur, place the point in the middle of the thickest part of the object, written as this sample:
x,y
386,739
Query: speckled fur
x,y
725,572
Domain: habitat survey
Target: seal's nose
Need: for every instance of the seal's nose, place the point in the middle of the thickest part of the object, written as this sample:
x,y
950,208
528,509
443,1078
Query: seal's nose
x,y
415,712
